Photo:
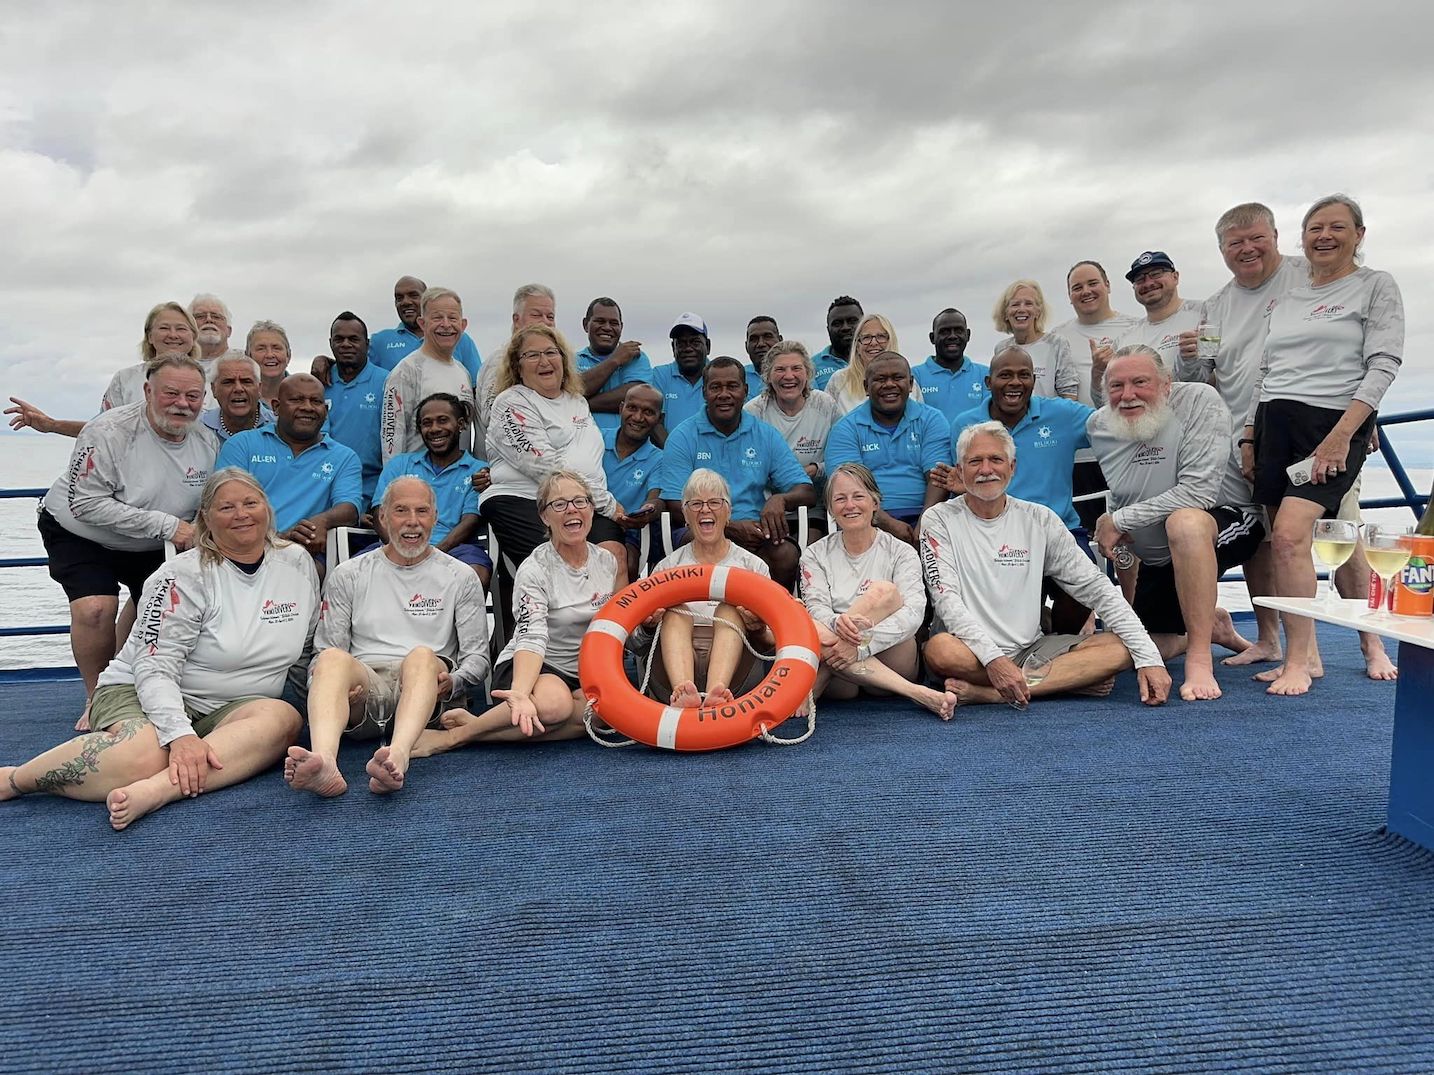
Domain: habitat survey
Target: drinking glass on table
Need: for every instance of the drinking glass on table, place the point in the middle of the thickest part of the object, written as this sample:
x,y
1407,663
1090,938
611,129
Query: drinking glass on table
x,y
1333,544
1387,549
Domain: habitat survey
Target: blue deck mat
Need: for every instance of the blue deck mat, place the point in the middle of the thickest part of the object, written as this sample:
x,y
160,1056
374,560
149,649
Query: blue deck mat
x,y
1090,886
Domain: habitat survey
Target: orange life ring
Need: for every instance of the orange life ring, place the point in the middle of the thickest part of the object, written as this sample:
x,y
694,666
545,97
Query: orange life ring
x,y
786,684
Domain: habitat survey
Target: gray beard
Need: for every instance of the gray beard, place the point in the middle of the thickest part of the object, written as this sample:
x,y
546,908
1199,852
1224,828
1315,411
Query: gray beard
x,y
1144,428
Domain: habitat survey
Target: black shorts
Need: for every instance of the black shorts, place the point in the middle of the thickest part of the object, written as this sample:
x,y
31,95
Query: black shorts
x,y
85,568
1286,433
503,676
1087,477
520,530
1237,538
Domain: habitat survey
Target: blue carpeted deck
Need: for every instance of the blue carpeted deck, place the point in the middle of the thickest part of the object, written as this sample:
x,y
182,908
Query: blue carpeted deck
x,y
1086,887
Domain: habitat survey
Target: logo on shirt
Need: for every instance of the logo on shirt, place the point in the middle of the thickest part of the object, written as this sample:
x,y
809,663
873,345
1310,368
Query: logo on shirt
x,y
370,398
272,612
194,477
1149,455
1325,312
637,475
82,466
424,607
164,603
1009,556
750,453
1270,306
1046,438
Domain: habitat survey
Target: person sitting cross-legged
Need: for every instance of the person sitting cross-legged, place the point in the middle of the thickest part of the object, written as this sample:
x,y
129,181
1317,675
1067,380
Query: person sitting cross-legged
x,y
191,703
985,555
403,636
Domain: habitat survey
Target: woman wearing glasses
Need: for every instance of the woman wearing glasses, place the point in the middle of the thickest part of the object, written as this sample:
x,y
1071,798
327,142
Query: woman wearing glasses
x,y
865,592
874,335
540,424
694,646
556,592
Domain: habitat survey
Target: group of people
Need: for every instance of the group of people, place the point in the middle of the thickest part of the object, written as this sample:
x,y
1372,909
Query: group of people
x,y
964,481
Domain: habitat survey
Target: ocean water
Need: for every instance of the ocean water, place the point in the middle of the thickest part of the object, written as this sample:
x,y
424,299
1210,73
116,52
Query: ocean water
x,y
28,596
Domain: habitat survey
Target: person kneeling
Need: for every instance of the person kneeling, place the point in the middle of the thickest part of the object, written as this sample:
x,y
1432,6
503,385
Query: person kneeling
x,y
863,589
403,636
985,555
191,704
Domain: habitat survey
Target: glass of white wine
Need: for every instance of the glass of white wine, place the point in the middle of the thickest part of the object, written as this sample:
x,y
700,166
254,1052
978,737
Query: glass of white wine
x,y
1334,541
1034,669
1387,549
867,629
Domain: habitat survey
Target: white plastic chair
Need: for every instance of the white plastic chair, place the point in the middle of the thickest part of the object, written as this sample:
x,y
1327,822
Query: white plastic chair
x,y
338,547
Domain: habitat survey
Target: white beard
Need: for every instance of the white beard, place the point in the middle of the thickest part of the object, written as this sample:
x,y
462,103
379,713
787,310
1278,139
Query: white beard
x,y
1144,428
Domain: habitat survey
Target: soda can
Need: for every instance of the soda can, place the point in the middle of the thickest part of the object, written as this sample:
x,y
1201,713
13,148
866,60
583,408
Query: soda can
x,y
1414,588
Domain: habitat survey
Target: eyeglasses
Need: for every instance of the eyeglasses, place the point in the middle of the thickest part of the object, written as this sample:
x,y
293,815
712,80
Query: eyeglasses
x,y
874,337
528,356
1149,274
564,503
706,505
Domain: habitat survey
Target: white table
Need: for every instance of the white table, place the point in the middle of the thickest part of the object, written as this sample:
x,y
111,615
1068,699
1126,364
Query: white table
x,y
1411,762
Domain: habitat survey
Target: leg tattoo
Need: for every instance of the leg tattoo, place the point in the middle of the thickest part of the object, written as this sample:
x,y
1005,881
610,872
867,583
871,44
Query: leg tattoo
x,y
74,771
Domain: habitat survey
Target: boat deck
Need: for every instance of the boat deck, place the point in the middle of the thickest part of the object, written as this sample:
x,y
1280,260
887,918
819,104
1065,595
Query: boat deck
x,y
1089,886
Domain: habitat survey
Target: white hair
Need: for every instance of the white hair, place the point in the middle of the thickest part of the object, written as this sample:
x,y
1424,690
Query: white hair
x,y
433,294
392,492
532,291
985,429
231,358
205,296
706,483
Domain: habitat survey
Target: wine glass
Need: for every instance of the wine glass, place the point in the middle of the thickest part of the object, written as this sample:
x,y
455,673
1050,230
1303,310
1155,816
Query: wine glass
x,y
1333,544
1387,549
1035,668
859,668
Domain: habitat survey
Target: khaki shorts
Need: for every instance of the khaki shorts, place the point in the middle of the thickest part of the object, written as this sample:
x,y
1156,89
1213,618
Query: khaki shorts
x,y
1349,506
1047,648
380,700
120,701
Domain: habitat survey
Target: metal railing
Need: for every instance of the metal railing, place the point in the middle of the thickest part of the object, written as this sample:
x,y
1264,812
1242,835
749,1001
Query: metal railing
x,y
1409,497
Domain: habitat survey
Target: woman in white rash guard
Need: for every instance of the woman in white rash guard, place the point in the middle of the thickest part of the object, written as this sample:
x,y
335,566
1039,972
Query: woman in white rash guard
x,y
556,592
191,704
865,592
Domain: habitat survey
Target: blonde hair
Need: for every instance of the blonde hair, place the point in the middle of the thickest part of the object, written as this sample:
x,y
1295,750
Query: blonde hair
x,y
852,379
547,486
1244,215
204,536
508,374
148,351
863,476
788,347
998,312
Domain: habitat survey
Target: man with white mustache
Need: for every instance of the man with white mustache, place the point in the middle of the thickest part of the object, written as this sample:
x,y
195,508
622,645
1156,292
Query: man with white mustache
x,y
1180,504
402,636
216,325
985,556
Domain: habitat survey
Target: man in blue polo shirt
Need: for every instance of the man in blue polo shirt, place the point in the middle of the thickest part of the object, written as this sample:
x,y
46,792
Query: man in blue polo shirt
x,y
630,462
752,456
313,482
450,471
762,335
680,381
950,381
900,443
1048,431
609,363
843,315
355,398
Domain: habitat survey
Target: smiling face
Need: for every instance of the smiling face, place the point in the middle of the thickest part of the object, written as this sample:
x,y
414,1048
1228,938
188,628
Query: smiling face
x,y
725,390
1252,254
169,331
841,327
788,378
604,329
871,338
888,385
271,352
408,301
239,519
214,327
1012,380
707,515
986,469
1138,393
689,350
408,513
536,310
640,412
1023,310
762,336
348,343
443,324
174,395
1089,292
568,513
439,427
949,336
300,408
540,365
1331,239
236,391
850,503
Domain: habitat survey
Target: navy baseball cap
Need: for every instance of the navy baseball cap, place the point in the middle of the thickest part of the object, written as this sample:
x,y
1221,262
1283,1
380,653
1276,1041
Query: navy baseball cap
x,y
1151,259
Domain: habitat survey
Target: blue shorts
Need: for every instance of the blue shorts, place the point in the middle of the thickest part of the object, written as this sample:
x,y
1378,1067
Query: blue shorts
x,y
472,555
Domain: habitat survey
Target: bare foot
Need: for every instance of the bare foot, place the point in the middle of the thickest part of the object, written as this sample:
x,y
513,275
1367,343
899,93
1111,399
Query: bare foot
x,y
942,703
8,788
306,771
430,741
386,770
1098,690
1223,633
130,803
1199,685
972,693
83,724
1315,670
1258,653
1291,682
685,696
456,718
1377,665
719,694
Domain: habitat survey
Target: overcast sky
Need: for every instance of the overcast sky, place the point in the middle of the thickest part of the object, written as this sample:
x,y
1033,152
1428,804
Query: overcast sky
x,y
727,158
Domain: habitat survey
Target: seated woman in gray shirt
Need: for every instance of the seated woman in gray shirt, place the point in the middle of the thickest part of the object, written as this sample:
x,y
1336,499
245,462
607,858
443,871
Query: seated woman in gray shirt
x,y
1332,350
